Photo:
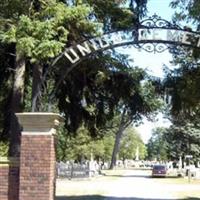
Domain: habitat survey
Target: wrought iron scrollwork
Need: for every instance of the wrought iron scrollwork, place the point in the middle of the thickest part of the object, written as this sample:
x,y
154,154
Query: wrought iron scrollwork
x,y
152,23
157,22
153,47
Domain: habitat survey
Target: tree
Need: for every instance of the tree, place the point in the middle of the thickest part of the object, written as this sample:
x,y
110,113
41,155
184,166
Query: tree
x,y
131,141
7,61
183,139
78,148
182,82
111,87
183,135
143,102
3,149
82,146
17,95
182,87
157,146
188,10
39,32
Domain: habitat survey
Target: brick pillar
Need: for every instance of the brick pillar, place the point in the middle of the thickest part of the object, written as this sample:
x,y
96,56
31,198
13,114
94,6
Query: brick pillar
x,y
37,156
9,178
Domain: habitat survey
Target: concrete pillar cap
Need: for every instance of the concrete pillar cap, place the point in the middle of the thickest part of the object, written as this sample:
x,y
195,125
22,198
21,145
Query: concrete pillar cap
x,y
38,121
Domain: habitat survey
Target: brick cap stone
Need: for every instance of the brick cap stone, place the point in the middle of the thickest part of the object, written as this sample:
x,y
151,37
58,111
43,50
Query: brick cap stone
x,y
39,121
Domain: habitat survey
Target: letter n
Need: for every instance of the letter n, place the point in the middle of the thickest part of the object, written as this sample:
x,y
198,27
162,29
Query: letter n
x,y
84,49
75,57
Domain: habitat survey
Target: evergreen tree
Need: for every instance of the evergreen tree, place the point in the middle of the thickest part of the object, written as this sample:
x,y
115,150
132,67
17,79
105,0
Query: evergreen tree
x,y
182,86
38,32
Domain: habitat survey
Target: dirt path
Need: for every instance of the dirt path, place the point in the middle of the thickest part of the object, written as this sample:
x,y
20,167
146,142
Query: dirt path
x,y
129,185
137,185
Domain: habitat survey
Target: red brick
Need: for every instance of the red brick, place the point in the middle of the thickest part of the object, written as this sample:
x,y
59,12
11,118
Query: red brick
x,y
9,183
37,166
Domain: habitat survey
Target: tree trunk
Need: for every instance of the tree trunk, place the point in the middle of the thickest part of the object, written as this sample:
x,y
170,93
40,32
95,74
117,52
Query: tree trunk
x,y
36,87
116,146
16,105
125,121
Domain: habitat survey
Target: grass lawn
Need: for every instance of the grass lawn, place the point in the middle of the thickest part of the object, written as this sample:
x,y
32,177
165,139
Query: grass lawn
x,y
87,188
188,194
176,180
97,188
114,173
187,190
85,197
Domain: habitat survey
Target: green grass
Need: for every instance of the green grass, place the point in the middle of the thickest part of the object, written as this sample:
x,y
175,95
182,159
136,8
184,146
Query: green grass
x,y
176,180
183,194
117,172
91,189
188,194
86,197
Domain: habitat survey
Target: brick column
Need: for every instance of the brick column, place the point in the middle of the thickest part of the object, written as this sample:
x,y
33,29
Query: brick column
x,y
9,178
37,157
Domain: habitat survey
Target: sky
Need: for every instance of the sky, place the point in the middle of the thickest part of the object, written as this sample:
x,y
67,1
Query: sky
x,y
153,62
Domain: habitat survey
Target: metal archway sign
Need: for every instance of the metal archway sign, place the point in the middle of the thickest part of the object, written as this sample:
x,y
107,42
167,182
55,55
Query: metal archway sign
x,y
153,34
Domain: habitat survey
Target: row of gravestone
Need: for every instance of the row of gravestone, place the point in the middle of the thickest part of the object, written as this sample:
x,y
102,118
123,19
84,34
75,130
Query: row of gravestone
x,y
74,170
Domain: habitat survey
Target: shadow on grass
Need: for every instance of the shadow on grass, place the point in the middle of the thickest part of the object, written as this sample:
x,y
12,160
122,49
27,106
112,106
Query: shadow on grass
x,y
99,197
167,177
141,176
128,176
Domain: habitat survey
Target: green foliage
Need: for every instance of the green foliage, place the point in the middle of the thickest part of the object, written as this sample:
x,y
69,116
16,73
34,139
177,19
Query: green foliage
x,y
3,149
44,34
74,148
13,9
175,141
183,140
82,146
182,82
157,145
6,70
40,30
108,141
111,15
101,87
186,10
152,100
131,140
117,15
182,87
